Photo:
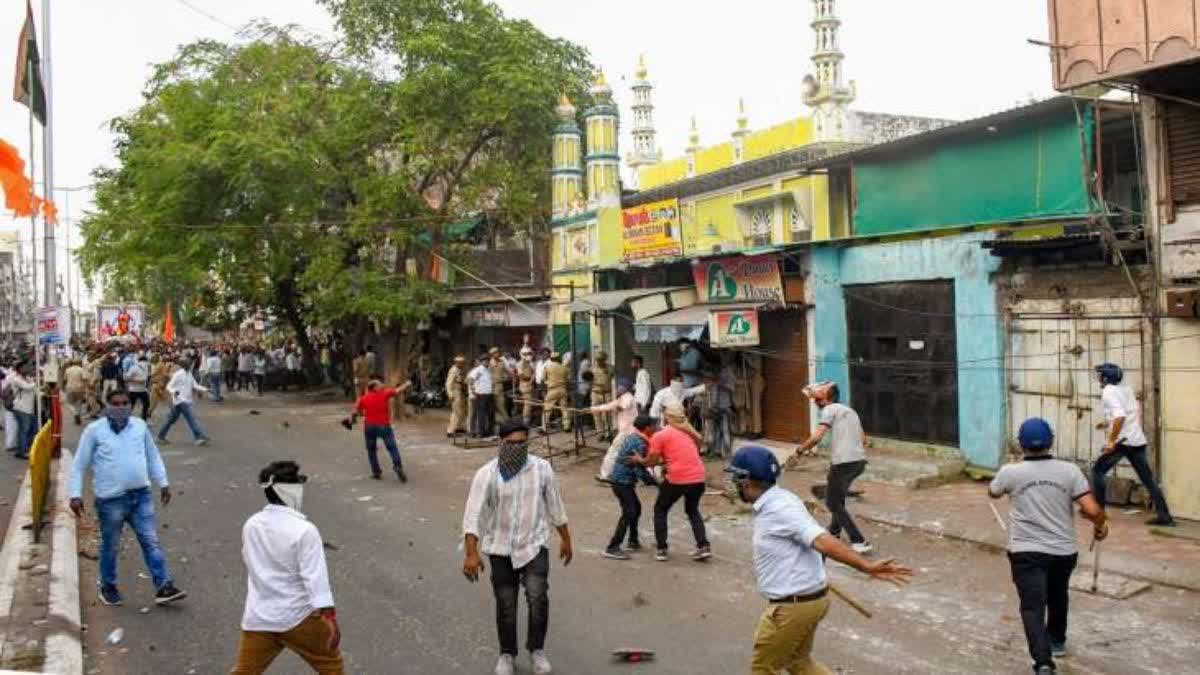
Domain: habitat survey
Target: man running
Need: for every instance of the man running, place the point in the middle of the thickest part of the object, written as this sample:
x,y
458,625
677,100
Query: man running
x,y
516,482
119,451
182,388
1127,440
1041,537
848,457
789,547
376,408
288,600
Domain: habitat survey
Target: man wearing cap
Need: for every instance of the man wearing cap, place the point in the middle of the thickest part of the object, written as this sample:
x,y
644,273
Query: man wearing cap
x,y
516,482
525,375
1126,439
480,382
1041,537
456,391
557,377
500,379
789,566
847,457
602,391
289,603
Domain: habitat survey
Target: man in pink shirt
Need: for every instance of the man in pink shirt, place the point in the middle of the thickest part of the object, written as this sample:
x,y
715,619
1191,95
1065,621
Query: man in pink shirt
x,y
685,477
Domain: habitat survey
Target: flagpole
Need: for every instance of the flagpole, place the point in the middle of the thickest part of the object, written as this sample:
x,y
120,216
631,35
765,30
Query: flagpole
x,y
51,253
37,347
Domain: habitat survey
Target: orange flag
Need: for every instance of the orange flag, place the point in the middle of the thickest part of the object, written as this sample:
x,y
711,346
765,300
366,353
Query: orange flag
x,y
18,191
168,325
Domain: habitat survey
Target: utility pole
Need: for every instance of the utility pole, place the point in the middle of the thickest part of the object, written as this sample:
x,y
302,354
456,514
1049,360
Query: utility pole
x,y
48,158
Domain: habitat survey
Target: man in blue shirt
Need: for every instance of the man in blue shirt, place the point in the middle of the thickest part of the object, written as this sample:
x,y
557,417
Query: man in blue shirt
x,y
624,478
789,550
120,451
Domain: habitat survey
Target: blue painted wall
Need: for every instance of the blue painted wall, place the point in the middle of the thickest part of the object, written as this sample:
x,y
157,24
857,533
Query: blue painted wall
x,y
981,395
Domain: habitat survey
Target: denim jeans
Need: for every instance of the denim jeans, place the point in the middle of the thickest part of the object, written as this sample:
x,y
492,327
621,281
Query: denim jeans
x,y
668,494
181,410
1042,582
839,480
1136,454
505,581
373,433
631,512
214,386
135,507
26,430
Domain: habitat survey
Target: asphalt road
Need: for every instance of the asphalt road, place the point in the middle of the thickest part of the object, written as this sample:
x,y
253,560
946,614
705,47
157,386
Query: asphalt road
x,y
404,606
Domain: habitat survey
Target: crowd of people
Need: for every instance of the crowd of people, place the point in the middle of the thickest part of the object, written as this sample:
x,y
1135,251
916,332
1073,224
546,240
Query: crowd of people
x,y
654,442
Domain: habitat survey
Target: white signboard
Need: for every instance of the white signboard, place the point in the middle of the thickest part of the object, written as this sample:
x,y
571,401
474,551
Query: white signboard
x,y
54,326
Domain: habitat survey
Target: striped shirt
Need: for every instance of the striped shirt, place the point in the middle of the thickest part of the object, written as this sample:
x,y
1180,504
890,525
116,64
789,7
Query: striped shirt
x,y
511,518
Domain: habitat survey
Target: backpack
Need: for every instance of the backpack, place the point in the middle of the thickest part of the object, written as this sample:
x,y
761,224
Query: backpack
x,y
7,397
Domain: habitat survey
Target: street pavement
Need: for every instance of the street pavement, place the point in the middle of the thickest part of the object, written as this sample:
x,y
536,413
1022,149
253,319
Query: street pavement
x,y
404,607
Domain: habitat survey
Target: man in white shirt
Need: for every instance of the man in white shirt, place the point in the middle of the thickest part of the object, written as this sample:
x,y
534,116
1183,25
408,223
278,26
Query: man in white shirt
x,y
642,388
289,603
181,388
212,374
137,380
514,500
479,384
674,394
1126,440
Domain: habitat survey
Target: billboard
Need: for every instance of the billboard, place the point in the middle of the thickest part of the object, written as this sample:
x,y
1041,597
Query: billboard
x,y
120,321
651,231
54,326
733,328
739,279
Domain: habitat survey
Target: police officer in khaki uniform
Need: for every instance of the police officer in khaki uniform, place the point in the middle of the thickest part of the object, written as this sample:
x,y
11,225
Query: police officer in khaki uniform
x,y
602,391
500,380
525,373
456,389
556,392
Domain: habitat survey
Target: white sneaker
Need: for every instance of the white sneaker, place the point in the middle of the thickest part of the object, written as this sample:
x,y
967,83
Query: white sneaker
x,y
505,665
862,547
541,664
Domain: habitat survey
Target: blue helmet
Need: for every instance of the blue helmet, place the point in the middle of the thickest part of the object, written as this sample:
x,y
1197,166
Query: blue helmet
x,y
1110,373
1035,434
754,462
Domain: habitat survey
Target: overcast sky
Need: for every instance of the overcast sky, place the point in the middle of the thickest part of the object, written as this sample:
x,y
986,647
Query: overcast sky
x,y
940,58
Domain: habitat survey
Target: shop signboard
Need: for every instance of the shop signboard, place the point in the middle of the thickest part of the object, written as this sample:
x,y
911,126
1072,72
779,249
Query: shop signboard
x,y
54,325
651,231
739,279
733,327
486,315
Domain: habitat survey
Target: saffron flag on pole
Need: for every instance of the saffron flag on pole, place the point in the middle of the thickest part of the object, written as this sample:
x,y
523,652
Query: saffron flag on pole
x,y
18,190
27,81
168,333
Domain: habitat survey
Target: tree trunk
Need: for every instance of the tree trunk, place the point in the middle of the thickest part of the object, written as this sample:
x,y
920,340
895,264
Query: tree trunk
x,y
286,298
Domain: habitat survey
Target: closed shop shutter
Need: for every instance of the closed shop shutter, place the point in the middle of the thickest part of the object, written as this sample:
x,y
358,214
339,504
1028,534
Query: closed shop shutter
x,y
1183,139
785,408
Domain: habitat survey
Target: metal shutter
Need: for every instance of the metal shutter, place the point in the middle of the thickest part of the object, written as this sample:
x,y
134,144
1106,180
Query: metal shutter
x,y
1183,140
785,408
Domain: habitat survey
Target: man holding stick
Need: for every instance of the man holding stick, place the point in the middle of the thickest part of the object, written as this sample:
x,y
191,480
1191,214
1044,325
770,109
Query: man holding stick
x,y
788,562
1041,537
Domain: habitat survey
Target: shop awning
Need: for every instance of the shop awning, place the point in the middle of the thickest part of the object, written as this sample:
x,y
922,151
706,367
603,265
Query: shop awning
x,y
607,301
689,322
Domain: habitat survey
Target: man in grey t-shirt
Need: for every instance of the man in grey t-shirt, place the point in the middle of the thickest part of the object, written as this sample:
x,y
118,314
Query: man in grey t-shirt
x,y
848,457
1041,545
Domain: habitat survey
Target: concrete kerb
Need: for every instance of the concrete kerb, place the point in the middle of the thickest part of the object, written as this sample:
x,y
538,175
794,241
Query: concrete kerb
x,y
64,643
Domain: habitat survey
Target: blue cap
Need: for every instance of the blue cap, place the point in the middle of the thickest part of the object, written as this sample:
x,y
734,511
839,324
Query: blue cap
x,y
1035,434
754,462
1110,373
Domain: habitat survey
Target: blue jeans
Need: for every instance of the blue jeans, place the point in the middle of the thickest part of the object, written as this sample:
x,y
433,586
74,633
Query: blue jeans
x,y
26,430
135,507
184,410
214,386
372,433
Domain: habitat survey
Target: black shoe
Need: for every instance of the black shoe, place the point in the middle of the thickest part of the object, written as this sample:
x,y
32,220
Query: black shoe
x,y
168,594
78,422
1161,522
633,545
376,476
110,596
400,474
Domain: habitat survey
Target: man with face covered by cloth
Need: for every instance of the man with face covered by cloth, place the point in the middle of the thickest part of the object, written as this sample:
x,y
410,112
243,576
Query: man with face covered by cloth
x,y
288,600
514,500
789,565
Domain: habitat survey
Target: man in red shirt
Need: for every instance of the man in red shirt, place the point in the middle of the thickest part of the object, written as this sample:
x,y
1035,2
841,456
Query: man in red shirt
x,y
376,408
675,446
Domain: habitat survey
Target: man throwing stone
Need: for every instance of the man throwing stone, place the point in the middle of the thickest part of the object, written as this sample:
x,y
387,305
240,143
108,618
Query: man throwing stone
x,y
516,483
847,457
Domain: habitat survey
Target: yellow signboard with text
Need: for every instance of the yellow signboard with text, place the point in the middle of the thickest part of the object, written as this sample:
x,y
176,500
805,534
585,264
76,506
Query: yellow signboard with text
x,y
651,231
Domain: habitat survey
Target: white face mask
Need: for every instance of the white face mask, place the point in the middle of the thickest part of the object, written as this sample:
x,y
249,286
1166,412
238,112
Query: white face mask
x,y
291,494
